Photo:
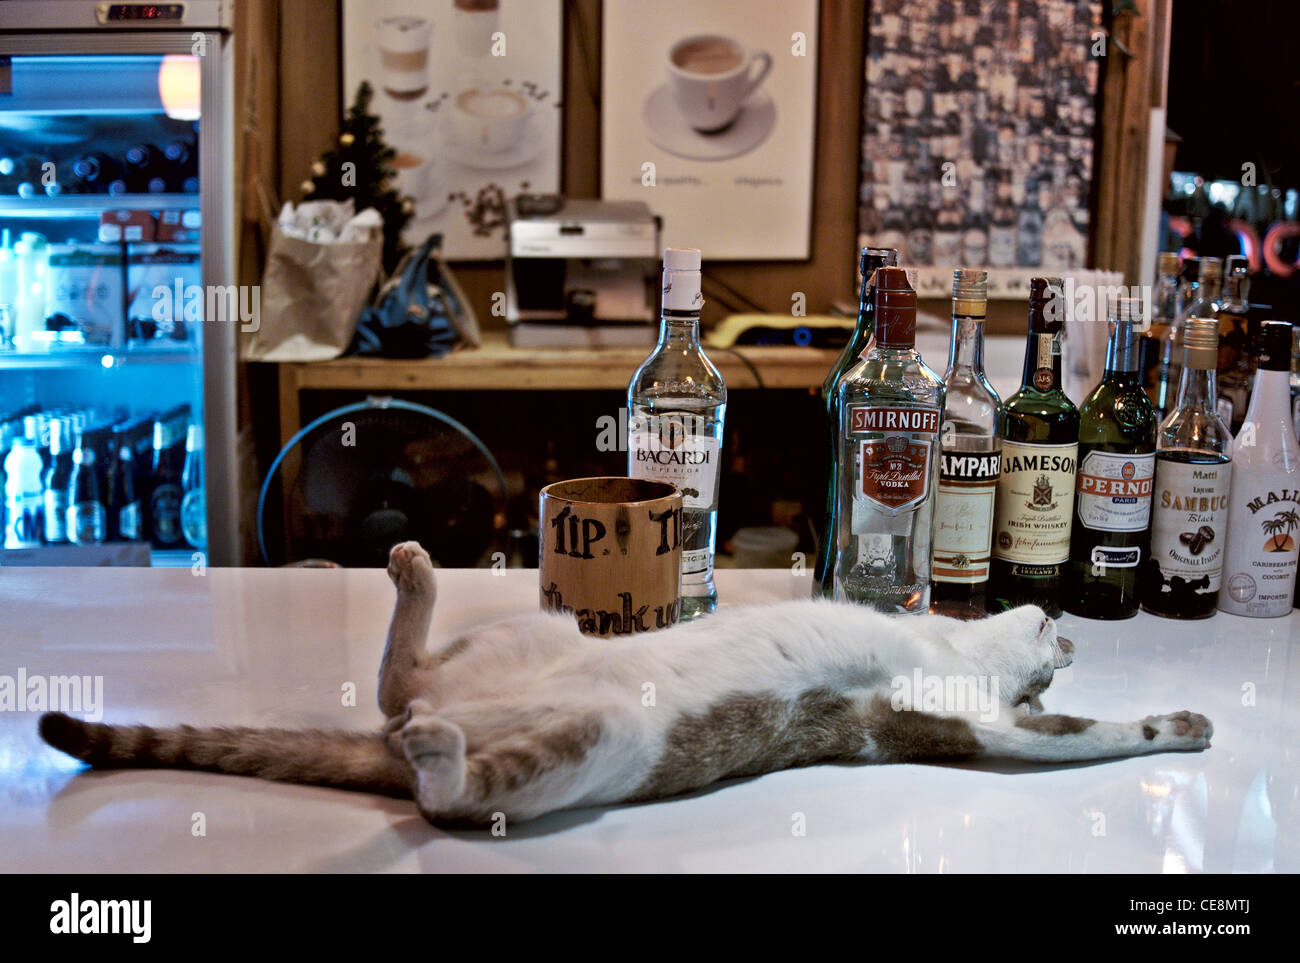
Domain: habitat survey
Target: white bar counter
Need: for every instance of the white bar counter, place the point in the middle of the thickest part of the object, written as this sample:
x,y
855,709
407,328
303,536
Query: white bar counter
x,y
277,647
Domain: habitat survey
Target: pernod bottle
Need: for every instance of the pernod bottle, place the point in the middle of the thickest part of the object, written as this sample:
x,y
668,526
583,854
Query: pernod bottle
x,y
872,259
890,407
1260,569
969,460
1180,579
676,405
1117,462
1039,427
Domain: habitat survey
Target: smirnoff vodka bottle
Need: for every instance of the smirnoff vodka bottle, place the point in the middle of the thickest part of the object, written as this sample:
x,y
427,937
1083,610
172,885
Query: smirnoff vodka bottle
x,y
890,407
1260,569
676,405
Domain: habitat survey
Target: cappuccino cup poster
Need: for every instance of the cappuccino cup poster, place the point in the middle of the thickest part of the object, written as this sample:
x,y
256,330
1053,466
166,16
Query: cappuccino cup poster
x,y
468,94
708,114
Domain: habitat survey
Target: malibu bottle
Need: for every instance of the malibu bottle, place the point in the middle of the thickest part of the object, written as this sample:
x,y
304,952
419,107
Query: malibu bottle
x,y
1039,426
1117,462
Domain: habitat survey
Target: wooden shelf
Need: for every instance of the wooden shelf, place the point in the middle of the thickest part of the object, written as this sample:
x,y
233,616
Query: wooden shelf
x,y
496,366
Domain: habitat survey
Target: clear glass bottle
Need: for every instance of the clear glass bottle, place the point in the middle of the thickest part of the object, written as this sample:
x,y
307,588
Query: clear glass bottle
x,y
1117,456
872,258
1161,355
1259,570
1039,426
890,406
1183,570
969,461
1238,344
677,403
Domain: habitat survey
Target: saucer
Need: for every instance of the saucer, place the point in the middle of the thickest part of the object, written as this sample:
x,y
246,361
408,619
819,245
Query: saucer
x,y
668,129
471,155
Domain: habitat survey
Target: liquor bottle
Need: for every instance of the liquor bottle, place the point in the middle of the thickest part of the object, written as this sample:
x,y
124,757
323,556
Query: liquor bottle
x,y
1201,297
1260,568
676,406
194,513
1039,427
1181,577
57,479
1238,344
1111,534
969,459
890,406
1160,350
23,495
165,494
126,527
872,258
87,519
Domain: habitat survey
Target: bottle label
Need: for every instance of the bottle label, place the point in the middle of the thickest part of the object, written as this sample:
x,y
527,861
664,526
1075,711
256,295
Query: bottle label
x,y
128,522
1035,505
1260,567
56,515
23,520
165,513
86,523
1190,509
667,450
963,515
1048,347
194,518
893,468
1115,491
697,566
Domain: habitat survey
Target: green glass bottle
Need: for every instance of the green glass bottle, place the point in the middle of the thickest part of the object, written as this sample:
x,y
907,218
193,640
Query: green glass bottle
x,y
1039,426
1111,535
872,259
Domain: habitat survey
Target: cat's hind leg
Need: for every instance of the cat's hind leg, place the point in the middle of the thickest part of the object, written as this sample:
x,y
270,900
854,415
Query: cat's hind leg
x,y
405,671
435,748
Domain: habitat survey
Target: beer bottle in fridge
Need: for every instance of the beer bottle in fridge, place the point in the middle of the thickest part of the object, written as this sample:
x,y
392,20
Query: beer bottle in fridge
x,y
165,496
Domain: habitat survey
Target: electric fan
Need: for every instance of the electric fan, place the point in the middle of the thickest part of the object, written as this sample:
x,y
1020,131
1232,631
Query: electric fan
x,y
363,477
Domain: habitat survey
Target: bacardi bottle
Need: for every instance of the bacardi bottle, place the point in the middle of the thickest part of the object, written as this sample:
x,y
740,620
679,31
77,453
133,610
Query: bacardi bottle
x,y
969,459
890,407
872,258
1117,460
1260,569
1181,577
676,405
1039,426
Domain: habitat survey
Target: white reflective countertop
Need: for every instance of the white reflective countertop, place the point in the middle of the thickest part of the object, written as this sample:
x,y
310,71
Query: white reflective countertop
x,y
276,647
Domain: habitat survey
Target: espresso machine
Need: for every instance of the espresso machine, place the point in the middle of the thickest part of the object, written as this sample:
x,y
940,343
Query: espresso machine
x,y
581,273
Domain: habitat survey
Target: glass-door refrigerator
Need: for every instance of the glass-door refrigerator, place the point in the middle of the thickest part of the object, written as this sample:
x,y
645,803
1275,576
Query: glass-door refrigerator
x,y
118,305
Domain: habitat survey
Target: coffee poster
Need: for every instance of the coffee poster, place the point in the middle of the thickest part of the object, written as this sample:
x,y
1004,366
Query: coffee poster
x,y
468,92
708,113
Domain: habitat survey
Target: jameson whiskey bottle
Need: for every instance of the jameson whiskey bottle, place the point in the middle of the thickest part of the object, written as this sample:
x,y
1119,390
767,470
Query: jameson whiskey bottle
x,y
890,407
1180,579
872,258
969,459
1260,569
1117,462
1161,354
1039,427
1238,344
676,404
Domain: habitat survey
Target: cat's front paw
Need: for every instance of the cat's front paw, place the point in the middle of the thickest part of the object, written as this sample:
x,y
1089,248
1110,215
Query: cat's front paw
x,y
1187,731
410,568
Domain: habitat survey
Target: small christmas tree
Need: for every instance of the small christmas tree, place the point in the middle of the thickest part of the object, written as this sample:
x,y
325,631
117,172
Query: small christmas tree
x,y
360,167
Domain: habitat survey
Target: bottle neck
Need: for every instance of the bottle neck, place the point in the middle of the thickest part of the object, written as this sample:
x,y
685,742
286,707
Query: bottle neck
x,y
967,346
1198,388
1042,362
1122,353
1271,398
679,331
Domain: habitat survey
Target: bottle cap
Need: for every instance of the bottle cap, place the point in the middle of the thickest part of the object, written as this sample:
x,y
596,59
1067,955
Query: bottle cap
x,y
1211,268
970,283
1201,341
895,308
1275,346
194,437
1126,309
1167,263
1237,266
681,259
1046,305
681,291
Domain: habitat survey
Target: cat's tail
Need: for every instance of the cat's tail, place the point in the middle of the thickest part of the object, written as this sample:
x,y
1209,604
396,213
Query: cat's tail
x,y
347,760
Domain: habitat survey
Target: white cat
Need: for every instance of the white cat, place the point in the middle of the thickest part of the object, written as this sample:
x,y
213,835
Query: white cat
x,y
528,715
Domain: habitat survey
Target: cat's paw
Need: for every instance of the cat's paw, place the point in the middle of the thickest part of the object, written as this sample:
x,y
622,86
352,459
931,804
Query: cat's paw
x,y
435,748
410,568
1188,731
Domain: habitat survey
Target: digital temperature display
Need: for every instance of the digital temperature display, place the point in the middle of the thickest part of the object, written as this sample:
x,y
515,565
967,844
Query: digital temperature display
x,y
147,12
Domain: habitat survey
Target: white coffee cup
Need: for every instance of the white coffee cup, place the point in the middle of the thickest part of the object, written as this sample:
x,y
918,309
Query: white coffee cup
x,y
492,119
413,170
403,44
711,77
